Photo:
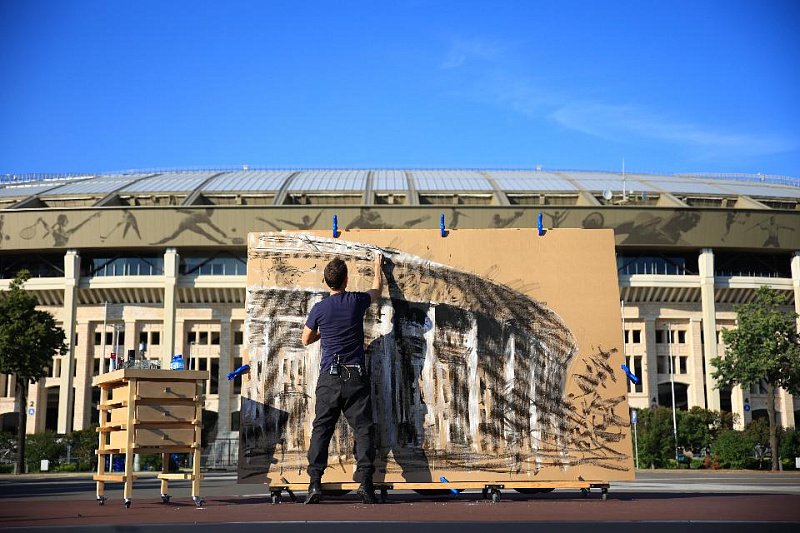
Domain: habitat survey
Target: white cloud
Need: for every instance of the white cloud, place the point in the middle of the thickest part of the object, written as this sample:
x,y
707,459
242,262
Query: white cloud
x,y
489,71
622,122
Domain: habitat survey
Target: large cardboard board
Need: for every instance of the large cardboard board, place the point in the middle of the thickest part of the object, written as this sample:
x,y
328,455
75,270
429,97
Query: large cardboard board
x,y
494,355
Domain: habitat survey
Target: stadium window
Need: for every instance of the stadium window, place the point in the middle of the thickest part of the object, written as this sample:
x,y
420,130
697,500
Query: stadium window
x,y
681,336
96,367
143,337
660,336
637,336
155,338
238,338
214,375
237,382
682,362
98,338
191,337
635,366
626,336
76,339
215,337
202,337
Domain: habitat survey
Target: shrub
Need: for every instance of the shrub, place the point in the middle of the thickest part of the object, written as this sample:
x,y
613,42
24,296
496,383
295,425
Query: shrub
x,y
42,446
83,444
734,448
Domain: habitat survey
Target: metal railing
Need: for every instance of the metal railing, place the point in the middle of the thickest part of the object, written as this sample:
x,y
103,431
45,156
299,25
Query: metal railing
x,y
220,454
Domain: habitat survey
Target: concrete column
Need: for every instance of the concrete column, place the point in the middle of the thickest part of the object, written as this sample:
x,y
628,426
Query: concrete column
x,y
72,274
786,405
225,366
170,343
649,362
36,394
788,411
83,379
708,302
738,396
796,284
696,369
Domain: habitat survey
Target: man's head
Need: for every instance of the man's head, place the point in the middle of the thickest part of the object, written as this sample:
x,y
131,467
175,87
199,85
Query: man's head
x,y
336,274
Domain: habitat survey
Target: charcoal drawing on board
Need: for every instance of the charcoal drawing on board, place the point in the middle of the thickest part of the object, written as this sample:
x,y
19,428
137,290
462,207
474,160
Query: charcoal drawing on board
x,y
468,374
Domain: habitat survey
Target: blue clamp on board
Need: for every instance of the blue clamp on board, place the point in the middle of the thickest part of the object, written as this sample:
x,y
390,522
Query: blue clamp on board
x,y
441,225
444,480
238,372
540,224
631,375
335,226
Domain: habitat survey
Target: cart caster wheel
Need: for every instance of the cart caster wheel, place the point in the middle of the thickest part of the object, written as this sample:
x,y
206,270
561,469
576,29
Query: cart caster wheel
x,y
604,494
198,501
384,495
128,503
495,496
275,498
101,500
165,498
585,493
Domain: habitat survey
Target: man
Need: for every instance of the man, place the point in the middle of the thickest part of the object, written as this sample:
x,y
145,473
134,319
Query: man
x,y
343,385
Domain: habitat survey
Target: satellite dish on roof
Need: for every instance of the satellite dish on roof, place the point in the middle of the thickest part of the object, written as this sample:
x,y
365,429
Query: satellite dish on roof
x,y
607,195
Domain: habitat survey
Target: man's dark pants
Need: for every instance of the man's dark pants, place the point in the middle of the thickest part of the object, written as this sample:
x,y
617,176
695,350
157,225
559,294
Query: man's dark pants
x,y
348,393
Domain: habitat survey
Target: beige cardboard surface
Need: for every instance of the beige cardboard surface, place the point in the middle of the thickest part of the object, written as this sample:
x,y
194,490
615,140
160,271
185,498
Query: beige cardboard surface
x,y
494,354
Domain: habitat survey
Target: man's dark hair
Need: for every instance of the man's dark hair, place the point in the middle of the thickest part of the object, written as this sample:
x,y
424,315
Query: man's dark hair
x,y
335,274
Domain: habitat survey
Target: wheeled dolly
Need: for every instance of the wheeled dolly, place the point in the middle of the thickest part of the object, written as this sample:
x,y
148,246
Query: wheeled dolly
x,y
165,498
127,502
198,501
101,500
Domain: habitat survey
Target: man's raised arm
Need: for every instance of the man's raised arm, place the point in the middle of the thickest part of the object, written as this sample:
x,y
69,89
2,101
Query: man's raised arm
x,y
377,281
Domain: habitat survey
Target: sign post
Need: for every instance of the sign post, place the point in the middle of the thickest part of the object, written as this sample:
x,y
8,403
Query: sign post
x,y
635,421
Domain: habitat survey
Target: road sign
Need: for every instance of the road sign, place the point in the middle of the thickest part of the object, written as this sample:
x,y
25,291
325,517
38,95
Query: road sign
x,y
747,407
31,411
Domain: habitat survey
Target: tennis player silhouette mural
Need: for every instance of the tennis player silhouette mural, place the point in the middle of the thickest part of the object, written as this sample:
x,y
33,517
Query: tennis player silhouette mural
x,y
58,230
193,223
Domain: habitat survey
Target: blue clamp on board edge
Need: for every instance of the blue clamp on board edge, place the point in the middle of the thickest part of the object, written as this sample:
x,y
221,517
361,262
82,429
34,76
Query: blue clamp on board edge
x,y
540,224
335,226
441,225
631,375
444,480
238,372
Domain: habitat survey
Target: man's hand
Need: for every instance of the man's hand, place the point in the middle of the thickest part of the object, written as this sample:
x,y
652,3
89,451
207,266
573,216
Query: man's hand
x,y
378,261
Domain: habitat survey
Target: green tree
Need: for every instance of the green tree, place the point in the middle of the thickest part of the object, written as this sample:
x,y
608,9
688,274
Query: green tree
x,y
656,442
29,339
764,346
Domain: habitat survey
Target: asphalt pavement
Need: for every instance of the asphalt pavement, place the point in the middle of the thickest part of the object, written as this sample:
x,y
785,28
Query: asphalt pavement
x,y
707,501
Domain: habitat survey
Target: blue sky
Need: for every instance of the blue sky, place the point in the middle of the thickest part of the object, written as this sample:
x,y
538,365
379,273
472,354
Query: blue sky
x,y
668,86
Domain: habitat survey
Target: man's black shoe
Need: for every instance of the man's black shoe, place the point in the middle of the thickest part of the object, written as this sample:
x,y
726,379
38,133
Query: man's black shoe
x,y
367,492
314,491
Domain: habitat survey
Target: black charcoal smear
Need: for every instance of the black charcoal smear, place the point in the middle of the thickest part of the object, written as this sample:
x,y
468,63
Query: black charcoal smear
x,y
467,373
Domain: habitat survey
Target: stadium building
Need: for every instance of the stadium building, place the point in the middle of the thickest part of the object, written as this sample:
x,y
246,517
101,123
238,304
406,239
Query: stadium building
x,y
155,262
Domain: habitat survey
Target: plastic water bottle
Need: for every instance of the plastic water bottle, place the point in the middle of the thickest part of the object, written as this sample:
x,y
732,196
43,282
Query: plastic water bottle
x,y
177,362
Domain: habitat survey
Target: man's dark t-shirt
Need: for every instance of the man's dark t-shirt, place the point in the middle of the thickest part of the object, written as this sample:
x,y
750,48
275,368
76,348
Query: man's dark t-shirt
x,y
340,320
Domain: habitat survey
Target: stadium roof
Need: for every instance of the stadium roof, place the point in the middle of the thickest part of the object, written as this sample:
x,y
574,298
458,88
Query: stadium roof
x,y
419,186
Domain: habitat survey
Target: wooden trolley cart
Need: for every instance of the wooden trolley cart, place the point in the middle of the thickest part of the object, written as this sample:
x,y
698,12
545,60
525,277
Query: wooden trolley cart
x,y
149,411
